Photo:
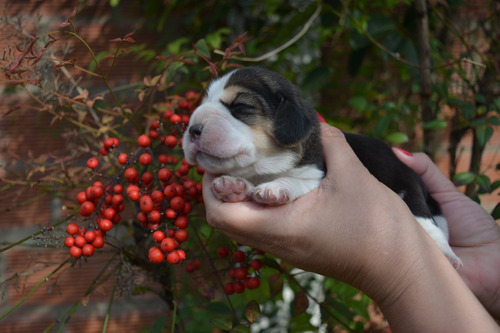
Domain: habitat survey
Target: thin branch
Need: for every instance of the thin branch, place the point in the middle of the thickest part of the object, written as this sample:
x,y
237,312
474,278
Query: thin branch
x,y
277,50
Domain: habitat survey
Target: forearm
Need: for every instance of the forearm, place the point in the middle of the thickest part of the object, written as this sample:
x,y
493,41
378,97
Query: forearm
x,y
436,301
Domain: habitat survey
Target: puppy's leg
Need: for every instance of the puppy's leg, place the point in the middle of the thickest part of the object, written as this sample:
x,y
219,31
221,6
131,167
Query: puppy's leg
x,y
232,189
440,236
291,186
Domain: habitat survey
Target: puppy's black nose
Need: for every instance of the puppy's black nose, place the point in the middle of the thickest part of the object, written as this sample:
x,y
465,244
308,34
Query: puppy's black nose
x,y
195,131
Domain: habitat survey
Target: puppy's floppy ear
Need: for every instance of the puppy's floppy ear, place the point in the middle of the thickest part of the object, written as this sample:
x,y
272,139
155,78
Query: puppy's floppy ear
x,y
292,122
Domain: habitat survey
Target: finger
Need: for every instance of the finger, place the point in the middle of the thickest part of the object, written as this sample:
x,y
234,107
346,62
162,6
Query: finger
x,y
435,181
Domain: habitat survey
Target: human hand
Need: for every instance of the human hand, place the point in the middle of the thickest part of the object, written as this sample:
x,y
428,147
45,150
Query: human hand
x,y
352,228
474,234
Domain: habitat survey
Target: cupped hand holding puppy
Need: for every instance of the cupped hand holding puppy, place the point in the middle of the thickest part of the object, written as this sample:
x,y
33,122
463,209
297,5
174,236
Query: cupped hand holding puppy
x,y
355,229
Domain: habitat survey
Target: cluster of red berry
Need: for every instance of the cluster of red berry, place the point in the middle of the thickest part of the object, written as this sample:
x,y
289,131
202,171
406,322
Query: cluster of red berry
x,y
244,273
154,178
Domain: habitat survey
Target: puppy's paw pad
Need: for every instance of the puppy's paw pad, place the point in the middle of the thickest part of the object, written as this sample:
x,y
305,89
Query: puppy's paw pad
x,y
271,194
231,189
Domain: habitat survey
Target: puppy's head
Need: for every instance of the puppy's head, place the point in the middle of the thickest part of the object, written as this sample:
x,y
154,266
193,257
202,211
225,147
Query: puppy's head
x,y
251,121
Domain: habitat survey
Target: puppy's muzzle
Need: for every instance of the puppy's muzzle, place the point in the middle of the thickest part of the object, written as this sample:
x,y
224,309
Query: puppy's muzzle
x,y
195,132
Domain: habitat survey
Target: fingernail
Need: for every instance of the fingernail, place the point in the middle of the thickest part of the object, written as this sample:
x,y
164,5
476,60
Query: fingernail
x,y
407,153
321,118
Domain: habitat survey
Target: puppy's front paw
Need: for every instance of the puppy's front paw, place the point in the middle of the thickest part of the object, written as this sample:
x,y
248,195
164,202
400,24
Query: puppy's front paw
x,y
271,194
231,189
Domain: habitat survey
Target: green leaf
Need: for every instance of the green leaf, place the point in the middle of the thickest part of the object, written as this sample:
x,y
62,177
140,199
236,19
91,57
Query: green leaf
x,y
252,311
464,178
203,48
98,57
484,183
496,212
275,284
480,98
435,124
495,121
468,110
495,185
300,303
484,134
114,3
218,308
316,79
224,323
360,103
397,137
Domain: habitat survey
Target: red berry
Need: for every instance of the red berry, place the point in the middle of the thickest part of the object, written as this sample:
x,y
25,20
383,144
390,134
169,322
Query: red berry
x,y
223,251
155,255
170,191
98,242
157,196
81,197
134,195
164,174
88,250
69,241
168,245
92,163
123,158
143,141
181,222
252,282
239,256
173,257
158,236
75,252
154,216
118,188
109,143
146,203
177,203
145,159
105,225
170,213
171,141
229,288
175,119
256,264
241,273
117,200
103,151
183,170
86,208
72,228
90,236
109,213
181,235
147,177
131,175
181,254
239,287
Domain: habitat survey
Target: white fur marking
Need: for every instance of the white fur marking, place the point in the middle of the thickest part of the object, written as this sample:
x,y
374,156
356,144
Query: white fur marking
x,y
441,238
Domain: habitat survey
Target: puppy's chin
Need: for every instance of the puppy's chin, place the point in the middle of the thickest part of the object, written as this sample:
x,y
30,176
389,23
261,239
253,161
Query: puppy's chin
x,y
223,165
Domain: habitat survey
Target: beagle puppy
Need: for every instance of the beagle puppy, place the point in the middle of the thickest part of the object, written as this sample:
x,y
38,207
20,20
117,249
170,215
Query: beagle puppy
x,y
255,130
